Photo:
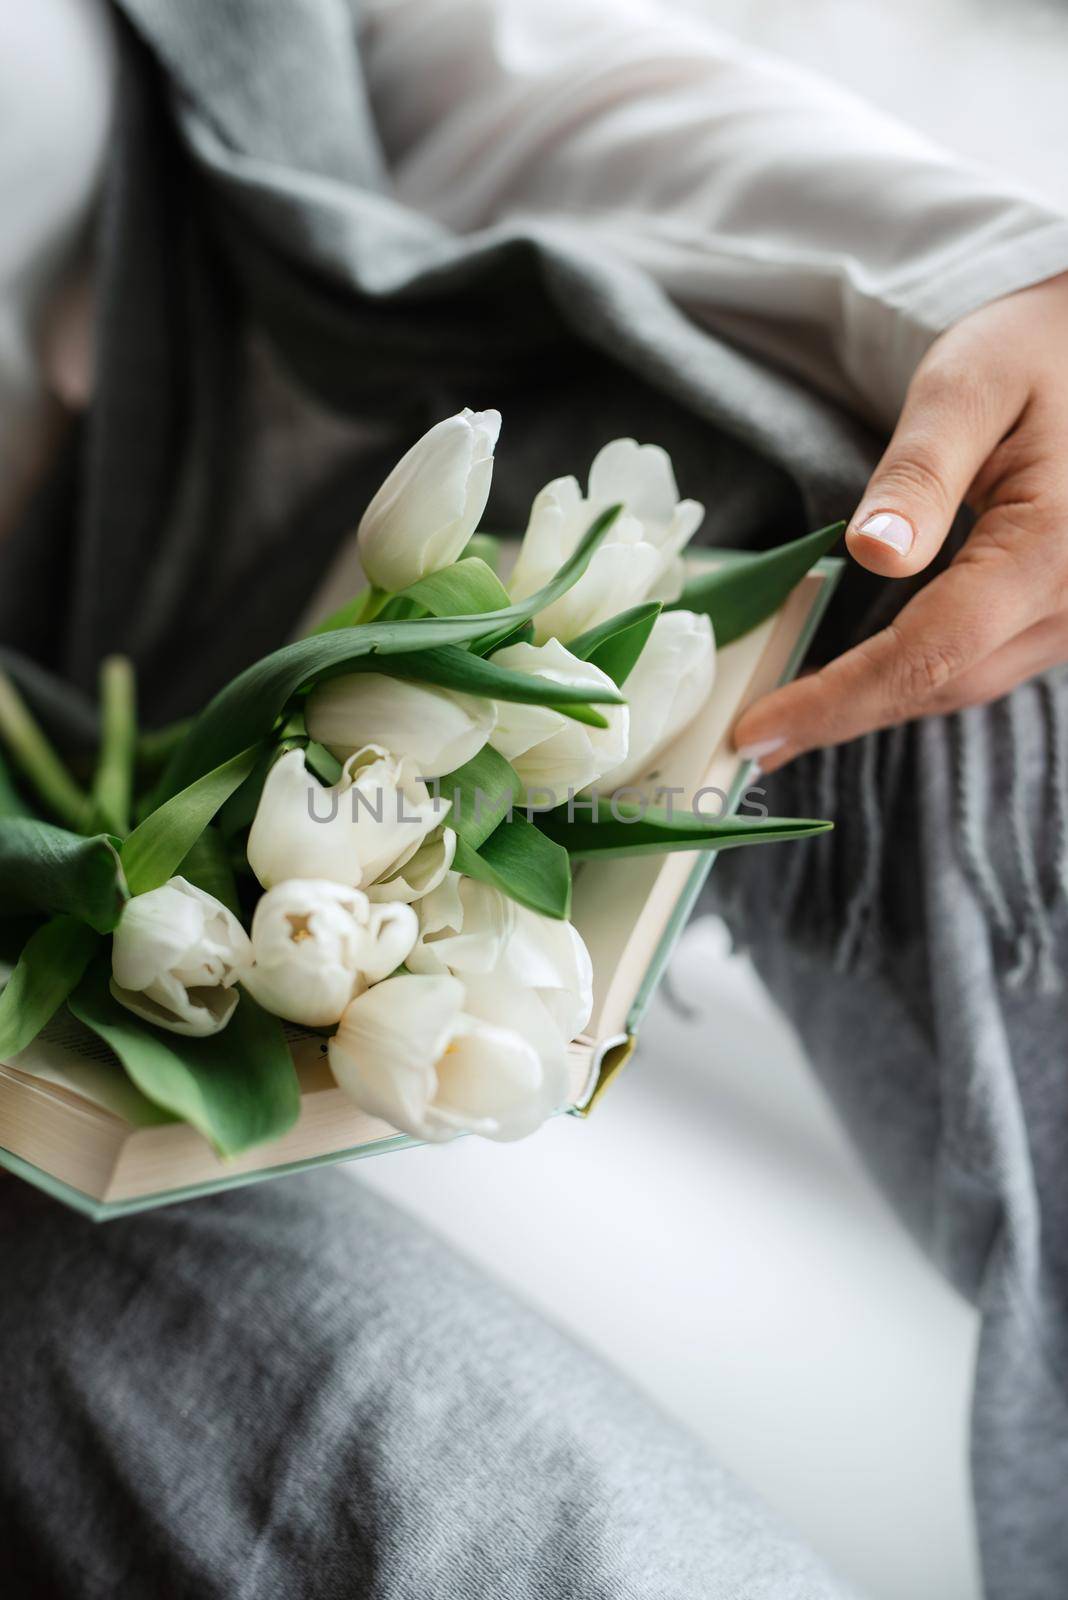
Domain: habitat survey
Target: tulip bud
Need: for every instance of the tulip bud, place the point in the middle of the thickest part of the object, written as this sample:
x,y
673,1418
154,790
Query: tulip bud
x,y
437,729
550,752
420,874
435,1057
470,930
176,955
550,957
665,689
364,827
464,928
431,503
640,559
317,945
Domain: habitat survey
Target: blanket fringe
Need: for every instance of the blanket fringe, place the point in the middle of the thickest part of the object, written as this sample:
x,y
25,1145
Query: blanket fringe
x,y
1009,828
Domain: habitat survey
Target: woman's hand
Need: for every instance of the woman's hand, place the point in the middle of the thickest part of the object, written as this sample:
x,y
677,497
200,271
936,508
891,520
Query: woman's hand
x,y
985,422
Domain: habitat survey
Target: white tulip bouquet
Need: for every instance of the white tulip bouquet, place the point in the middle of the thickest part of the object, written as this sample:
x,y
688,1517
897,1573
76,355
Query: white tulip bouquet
x,y
372,831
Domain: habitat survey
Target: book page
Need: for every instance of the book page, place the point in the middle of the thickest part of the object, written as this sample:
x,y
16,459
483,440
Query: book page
x,y
72,1057
67,1054
623,907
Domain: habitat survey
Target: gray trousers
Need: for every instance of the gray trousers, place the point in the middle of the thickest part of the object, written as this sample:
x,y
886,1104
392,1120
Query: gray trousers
x,y
294,1391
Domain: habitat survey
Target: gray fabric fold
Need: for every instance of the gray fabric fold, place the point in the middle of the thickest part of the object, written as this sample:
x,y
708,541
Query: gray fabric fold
x,y
294,1391
222,248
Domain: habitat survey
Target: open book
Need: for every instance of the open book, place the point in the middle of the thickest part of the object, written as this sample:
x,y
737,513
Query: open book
x,y
72,1123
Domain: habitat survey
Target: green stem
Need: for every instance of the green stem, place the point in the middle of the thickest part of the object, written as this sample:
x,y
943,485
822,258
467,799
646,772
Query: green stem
x,y
375,601
113,783
35,758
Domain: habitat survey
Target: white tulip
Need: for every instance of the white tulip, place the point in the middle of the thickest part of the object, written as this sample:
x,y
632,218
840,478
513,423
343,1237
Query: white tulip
x,y
550,957
176,955
470,929
551,752
464,928
665,689
435,1057
420,873
438,729
640,558
317,945
366,826
431,503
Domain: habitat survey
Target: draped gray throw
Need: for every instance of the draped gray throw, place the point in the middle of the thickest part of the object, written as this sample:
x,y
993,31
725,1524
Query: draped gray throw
x,y
272,330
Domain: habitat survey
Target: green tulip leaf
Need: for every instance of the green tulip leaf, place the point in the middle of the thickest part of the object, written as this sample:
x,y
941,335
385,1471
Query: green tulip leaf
x,y
587,714
523,863
45,868
361,608
238,811
208,867
487,547
50,967
744,592
468,585
322,763
620,828
396,609
615,645
155,849
452,668
247,709
482,792
238,1088
524,634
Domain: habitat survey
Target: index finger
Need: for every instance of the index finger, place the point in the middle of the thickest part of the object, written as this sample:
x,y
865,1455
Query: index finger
x,y
983,599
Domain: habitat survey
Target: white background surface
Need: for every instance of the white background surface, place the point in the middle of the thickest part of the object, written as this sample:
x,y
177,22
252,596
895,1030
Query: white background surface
x,y
736,1261
985,77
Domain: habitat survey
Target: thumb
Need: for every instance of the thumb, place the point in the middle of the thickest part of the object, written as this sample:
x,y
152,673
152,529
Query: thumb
x,y
948,427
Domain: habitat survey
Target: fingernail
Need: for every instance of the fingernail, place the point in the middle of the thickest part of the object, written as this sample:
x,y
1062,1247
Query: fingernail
x,y
889,528
760,749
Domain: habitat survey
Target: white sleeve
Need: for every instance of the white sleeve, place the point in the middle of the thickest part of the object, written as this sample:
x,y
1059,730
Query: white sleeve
x,y
56,87
775,208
